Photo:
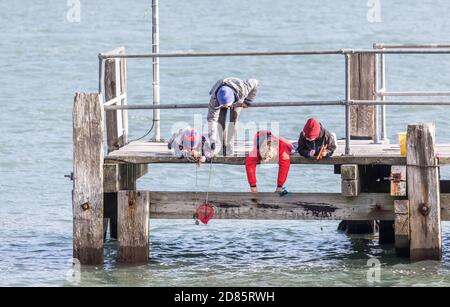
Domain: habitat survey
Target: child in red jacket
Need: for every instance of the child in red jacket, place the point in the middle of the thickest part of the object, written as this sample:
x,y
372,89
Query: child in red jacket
x,y
267,147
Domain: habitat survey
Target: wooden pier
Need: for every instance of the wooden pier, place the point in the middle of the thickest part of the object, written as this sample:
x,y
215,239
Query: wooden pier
x,y
404,195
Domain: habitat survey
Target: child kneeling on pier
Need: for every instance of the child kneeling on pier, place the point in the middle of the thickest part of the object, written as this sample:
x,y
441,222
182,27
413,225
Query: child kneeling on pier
x,y
188,143
315,141
269,147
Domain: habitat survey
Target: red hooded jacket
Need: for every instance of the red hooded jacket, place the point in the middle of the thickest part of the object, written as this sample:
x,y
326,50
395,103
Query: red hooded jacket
x,y
284,157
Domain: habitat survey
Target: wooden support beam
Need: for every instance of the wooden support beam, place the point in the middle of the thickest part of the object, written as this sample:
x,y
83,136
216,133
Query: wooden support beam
x,y
398,180
424,198
350,183
351,187
133,223
349,172
301,206
362,87
88,179
307,206
111,178
119,177
142,157
402,231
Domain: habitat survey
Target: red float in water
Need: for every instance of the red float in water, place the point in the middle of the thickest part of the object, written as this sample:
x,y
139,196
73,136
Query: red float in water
x,y
205,213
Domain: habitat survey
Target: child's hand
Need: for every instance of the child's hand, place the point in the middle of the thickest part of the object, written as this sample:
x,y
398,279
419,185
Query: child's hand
x,y
312,152
195,154
201,160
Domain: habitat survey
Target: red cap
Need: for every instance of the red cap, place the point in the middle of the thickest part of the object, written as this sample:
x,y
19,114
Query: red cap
x,y
312,129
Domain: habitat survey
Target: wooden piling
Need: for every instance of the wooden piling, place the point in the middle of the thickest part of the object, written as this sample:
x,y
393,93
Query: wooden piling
x,y
118,177
402,232
362,87
133,220
87,199
424,198
350,183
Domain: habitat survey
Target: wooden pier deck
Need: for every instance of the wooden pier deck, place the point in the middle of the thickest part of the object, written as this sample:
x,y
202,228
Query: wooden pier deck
x,y
364,152
405,196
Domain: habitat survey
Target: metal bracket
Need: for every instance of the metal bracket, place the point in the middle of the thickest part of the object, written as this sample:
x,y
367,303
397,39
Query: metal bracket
x,y
70,176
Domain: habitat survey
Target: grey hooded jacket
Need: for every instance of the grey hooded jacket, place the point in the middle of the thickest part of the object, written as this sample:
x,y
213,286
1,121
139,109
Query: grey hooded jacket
x,y
245,92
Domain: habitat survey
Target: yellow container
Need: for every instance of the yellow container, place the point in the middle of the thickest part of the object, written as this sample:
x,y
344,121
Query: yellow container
x,y
402,143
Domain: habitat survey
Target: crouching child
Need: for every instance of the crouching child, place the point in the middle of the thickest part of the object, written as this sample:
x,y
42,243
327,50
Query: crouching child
x,y
188,143
315,141
269,147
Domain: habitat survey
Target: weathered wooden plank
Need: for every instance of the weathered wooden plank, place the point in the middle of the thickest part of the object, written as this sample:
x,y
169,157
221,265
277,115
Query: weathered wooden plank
x,y
129,173
309,206
398,172
350,183
116,131
146,158
178,205
402,238
363,153
350,188
349,172
398,180
133,220
122,176
111,178
425,213
88,179
362,87
118,177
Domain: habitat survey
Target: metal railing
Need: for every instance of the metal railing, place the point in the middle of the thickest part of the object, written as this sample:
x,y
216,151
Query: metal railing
x,y
381,90
380,51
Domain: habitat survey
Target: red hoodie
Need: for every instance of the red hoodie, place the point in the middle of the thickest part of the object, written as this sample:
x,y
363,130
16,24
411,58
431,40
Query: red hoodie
x,y
254,158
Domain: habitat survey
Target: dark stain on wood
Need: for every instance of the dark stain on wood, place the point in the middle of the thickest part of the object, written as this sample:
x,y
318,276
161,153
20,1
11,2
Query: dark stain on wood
x,y
321,210
225,205
267,206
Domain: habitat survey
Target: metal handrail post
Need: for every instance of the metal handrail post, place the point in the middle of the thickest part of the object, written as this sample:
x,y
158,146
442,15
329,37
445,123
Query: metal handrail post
x,y
155,64
376,137
347,104
383,98
100,73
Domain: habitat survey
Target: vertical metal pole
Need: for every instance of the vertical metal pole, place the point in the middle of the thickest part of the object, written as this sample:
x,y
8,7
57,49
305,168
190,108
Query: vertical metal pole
x,y
347,104
383,98
376,137
100,74
155,49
